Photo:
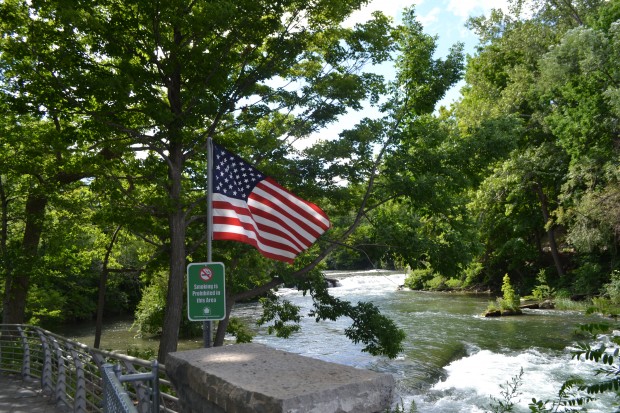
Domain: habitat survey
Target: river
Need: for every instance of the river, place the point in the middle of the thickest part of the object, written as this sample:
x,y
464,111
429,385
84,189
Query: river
x,y
454,360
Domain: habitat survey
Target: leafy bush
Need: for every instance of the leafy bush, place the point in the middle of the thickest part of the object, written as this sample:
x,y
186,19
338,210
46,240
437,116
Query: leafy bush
x,y
417,279
589,277
562,294
510,297
142,353
45,307
609,303
149,315
473,273
428,279
542,291
603,306
510,300
612,289
454,283
240,330
438,282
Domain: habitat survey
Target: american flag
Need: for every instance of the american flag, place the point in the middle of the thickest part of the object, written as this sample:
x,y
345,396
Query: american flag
x,y
252,208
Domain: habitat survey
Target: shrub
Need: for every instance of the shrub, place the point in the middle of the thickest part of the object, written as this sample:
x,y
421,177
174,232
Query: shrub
x,y
603,306
510,300
473,273
417,279
563,294
454,283
438,282
588,278
542,291
142,353
612,288
149,315
240,330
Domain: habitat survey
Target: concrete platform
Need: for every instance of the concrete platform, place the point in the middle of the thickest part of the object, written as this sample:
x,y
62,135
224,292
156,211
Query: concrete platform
x,y
252,378
18,396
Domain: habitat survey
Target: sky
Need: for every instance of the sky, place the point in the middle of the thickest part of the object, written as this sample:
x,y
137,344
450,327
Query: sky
x,y
442,18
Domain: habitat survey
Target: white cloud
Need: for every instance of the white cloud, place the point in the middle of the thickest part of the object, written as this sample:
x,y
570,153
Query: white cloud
x,y
444,18
391,8
462,9
430,17
467,8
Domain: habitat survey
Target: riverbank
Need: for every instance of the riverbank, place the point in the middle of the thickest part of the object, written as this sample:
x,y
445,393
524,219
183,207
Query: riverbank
x,y
453,360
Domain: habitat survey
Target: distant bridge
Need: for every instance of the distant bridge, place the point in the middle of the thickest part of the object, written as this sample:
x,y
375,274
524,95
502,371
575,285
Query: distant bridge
x,y
80,379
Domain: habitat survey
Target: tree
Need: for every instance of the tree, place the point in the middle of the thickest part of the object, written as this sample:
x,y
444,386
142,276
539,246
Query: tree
x,y
581,75
161,77
417,193
36,169
549,66
50,245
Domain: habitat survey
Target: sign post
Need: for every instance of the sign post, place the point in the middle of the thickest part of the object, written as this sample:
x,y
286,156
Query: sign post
x,y
206,291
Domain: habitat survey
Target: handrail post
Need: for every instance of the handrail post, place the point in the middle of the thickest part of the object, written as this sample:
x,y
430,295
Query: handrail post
x,y
155,387
79,400
60,392
26,356
46,373
115,397
147,402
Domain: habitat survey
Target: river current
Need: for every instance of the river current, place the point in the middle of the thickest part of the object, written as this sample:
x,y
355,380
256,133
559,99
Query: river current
x,y
454,359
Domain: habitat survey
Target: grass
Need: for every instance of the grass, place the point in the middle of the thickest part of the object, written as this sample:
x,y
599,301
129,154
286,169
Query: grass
x,y
566,304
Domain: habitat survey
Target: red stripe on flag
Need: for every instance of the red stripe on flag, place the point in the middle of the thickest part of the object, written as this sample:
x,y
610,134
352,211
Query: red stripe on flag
x,y
268,231
311,211
237,228
231,222
286,213
278,222
267,223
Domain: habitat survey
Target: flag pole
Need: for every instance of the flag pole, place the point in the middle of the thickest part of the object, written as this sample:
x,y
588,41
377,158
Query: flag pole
x,y
206,325
209,198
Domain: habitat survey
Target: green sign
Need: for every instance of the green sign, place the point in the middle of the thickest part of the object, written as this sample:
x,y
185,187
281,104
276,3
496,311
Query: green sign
x,y
206,294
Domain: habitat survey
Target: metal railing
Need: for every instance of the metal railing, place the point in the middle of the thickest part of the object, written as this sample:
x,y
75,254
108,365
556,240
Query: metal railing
x,y
115,397
73,373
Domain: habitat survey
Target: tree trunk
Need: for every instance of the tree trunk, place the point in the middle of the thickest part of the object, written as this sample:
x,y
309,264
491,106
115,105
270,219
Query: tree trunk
x,y
103,280
550,229
176,218
223,324
4,221
18,280
174,299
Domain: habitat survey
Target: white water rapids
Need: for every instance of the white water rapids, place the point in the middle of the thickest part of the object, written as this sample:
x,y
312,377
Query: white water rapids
x,y
454,359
